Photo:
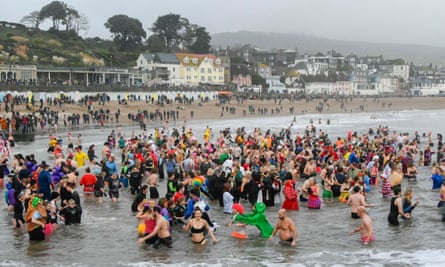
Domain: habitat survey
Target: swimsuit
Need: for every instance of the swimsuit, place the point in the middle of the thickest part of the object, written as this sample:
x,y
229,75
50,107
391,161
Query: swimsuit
x,y
366,240
200,242
167,241
197,230
393,213
290,240
355,215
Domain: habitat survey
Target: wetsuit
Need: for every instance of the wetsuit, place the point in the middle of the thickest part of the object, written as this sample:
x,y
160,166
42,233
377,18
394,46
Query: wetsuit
x,y
393,213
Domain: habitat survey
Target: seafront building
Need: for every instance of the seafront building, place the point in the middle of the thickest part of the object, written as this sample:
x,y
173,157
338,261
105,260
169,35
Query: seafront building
x,y
284,71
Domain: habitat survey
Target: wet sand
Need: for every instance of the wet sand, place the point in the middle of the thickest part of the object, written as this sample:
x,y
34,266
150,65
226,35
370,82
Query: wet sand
x,y
213,110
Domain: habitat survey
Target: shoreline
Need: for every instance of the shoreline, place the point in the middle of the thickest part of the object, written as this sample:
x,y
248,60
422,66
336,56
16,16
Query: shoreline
x,y
213,110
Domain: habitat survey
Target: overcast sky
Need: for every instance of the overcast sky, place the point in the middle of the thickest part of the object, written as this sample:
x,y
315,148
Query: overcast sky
x,y
389,21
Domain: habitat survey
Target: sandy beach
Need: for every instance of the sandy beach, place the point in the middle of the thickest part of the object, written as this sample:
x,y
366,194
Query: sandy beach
x,y
214,110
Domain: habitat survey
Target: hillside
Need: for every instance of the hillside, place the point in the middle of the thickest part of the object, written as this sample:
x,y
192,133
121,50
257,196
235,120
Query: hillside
x,y
28,46
419,54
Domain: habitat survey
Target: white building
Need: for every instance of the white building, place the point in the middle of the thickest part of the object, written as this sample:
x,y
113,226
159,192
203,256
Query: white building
x,y
161,65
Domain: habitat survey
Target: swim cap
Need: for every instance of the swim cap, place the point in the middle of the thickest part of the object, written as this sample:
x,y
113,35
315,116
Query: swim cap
x,y
35,201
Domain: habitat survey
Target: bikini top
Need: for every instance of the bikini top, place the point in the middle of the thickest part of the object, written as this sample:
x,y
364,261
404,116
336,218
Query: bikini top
x,y
197,230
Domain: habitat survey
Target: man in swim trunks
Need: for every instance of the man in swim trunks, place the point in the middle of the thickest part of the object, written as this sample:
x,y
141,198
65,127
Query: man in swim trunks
x,y
162,230
365,227
286,227
356,200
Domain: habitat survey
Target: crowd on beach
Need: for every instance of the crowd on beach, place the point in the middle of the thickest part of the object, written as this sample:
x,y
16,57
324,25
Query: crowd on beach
x,y
231,169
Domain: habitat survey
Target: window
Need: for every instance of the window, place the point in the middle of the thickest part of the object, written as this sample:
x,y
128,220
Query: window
x,y
218,61
202,79
188,69
195,60
203,70
209,70
186,60
173,69
209,78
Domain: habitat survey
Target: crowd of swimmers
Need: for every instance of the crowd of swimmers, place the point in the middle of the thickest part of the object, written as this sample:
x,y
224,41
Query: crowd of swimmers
x,y
231,169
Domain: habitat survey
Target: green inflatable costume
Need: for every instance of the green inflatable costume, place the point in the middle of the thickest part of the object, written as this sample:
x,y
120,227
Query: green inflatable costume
x,y
258,219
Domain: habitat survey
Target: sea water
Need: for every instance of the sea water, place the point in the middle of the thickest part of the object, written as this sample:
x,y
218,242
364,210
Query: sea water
x,y
107,235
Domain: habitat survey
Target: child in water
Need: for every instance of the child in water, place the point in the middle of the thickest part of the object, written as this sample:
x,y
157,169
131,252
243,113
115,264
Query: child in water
x,y
240,231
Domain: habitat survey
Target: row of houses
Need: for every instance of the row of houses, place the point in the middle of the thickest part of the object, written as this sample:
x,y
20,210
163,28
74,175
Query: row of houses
x,y
286,70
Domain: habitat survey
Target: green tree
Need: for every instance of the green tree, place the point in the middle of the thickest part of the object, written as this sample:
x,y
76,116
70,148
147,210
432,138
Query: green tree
x,y
70,19
257,79
156,44
56,11
170,28
127,32
200,40
33,19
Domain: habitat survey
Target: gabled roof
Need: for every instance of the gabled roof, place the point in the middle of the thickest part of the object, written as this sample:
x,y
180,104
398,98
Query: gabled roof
x,y
161,58
200,58
149,56
167,58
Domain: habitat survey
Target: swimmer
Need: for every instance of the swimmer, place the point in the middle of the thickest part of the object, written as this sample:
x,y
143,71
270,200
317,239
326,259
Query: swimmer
x,y
198,226
365,227
356,200
161,230
286,227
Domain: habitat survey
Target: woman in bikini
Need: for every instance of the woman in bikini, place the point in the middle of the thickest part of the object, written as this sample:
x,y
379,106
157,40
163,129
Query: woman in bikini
x,y
198,226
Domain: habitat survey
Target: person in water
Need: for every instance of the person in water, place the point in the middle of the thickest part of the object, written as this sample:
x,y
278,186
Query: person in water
x,y
36,217
408,206
356,200
396,208
365,228
286,228
161,230
240,231
198,226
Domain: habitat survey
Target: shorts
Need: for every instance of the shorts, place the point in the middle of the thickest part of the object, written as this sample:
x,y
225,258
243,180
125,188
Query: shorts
x,y
167,241
114,194
366,240
152,240
124,181
355,215
88,189
98,193
37,234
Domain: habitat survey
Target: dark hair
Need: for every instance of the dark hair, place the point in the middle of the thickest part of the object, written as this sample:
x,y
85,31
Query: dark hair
x,y
195,191
356,188
396,190
157,209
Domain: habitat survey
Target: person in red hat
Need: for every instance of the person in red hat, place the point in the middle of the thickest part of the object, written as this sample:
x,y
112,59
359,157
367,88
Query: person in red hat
x,y
240,231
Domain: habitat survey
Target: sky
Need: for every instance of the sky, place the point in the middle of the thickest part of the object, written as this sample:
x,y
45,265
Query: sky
x,y
382,21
